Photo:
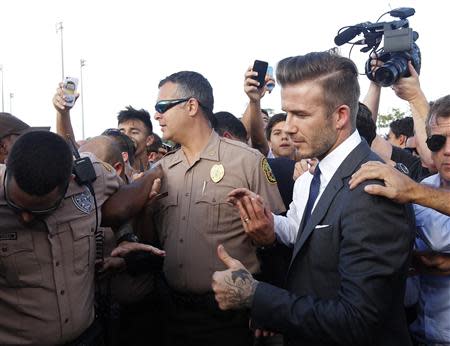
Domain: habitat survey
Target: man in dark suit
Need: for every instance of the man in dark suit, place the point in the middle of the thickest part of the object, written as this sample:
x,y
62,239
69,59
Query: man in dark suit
x,y
346,280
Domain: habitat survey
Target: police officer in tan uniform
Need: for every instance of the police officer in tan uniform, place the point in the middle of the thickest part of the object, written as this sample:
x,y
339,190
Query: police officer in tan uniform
x,y
195,217
47,241
11,128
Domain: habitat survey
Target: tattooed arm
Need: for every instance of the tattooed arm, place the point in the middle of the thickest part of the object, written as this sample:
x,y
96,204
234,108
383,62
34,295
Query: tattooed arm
x,y
235,287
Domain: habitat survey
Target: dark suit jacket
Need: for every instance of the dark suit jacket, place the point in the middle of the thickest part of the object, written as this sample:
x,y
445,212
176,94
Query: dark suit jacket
x,y
346,281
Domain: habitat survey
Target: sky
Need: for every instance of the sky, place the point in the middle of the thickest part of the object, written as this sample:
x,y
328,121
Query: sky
x,y
129,46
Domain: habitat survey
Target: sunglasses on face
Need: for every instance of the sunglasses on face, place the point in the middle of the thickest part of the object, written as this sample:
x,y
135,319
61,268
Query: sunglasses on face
x,y
41,212
436,142
164,105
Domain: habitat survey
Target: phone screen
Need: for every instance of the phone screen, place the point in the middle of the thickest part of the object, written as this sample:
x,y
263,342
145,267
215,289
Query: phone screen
x,y
260,67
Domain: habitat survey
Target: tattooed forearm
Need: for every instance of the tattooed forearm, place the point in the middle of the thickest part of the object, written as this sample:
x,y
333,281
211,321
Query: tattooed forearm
x,y
240,288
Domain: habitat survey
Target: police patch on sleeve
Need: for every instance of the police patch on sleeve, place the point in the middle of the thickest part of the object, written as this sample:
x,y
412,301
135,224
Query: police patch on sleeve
x,y
268,171
84,201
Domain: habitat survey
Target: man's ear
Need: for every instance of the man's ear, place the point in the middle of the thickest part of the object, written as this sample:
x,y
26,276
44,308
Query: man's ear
x,y
227,134
343,116
150,140
152,157
125,156
402,140
193,107
118,166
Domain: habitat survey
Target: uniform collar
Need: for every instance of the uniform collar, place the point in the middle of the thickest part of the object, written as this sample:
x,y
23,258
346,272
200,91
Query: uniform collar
x,y
210,152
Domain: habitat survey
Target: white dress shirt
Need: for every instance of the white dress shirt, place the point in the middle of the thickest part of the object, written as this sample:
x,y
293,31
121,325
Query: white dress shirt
x,y
286,227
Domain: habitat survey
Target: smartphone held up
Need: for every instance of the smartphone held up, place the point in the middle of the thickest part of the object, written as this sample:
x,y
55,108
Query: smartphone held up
x,y
70,85
260,67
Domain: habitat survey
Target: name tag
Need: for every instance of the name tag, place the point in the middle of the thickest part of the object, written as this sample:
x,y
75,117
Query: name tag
x,y
8,236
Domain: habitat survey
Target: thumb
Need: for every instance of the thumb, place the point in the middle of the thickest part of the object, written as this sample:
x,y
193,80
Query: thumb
x,y
229,261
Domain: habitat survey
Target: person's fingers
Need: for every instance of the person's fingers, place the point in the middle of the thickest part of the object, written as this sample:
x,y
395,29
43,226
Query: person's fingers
x,y
239,192
379,190
229,261
412,70
248,205
242,211
122,250
156,186
258,208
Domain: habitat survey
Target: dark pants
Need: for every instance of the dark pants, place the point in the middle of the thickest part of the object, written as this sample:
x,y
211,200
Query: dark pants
x,y
93,336
196,320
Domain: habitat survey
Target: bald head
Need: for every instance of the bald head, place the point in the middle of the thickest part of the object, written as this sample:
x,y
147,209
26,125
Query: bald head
x,y
105,149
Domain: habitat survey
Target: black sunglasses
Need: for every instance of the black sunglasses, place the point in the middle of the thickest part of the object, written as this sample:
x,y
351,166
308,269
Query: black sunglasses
x,y
42,212
436,142
112,132
164,105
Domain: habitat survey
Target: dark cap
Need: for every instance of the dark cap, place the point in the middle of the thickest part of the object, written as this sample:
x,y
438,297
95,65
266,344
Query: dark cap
x,y
10,125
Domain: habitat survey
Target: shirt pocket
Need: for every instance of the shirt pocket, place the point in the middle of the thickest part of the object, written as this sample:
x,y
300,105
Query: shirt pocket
x,y
19,266
166,217
214,212
83,236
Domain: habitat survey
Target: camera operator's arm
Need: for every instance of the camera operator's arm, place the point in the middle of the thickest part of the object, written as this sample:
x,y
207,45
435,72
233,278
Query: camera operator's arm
x,y
408,89
372,99
252,119
63,123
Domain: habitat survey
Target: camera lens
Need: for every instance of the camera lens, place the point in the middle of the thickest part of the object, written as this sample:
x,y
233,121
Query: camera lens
x,y
386,75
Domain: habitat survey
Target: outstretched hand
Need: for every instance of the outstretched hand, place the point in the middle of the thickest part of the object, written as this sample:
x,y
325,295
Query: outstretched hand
x,y
256,218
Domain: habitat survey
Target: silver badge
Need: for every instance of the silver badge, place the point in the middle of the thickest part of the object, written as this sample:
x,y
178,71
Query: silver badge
x,y
84,201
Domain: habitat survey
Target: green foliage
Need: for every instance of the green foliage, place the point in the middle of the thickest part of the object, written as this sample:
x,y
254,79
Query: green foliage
x,y
383,120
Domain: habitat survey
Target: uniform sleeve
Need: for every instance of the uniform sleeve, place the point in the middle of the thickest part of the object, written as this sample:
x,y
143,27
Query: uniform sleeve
x,y
107,182
265,185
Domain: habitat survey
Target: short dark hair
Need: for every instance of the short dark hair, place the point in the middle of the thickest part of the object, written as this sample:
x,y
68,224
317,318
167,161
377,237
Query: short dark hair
x,y
193,84
124,142
225,121
365,124
40,161
275,119
403,126
438,109
129,113
157,143
338,77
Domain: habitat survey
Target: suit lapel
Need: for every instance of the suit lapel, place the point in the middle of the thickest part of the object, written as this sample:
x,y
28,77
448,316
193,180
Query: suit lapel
x,y
347,168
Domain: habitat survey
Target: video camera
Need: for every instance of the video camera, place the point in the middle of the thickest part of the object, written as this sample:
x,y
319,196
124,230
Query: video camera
x,y
399,45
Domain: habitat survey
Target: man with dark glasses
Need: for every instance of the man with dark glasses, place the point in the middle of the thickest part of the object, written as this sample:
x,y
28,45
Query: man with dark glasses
x,y
432,213
194,217
47,240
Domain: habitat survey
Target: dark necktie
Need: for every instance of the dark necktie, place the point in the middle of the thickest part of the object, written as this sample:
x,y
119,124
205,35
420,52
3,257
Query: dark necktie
x,y
313,193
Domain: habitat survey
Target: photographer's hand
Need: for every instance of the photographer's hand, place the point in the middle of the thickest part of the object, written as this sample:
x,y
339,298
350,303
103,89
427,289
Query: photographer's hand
x,y
408,88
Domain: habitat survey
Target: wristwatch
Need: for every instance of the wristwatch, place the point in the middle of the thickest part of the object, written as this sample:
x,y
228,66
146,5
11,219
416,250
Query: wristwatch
x,y
402,168
130,237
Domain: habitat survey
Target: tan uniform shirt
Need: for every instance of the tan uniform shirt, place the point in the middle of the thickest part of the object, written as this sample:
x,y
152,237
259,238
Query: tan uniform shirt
x,y
47,267
195,218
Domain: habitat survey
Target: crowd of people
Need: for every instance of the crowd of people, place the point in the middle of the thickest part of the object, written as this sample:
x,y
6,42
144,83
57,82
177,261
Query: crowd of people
x,y
303,228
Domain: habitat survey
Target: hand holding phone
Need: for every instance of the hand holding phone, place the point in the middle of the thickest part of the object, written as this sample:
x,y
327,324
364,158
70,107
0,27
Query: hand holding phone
x,y
260,67
70,85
